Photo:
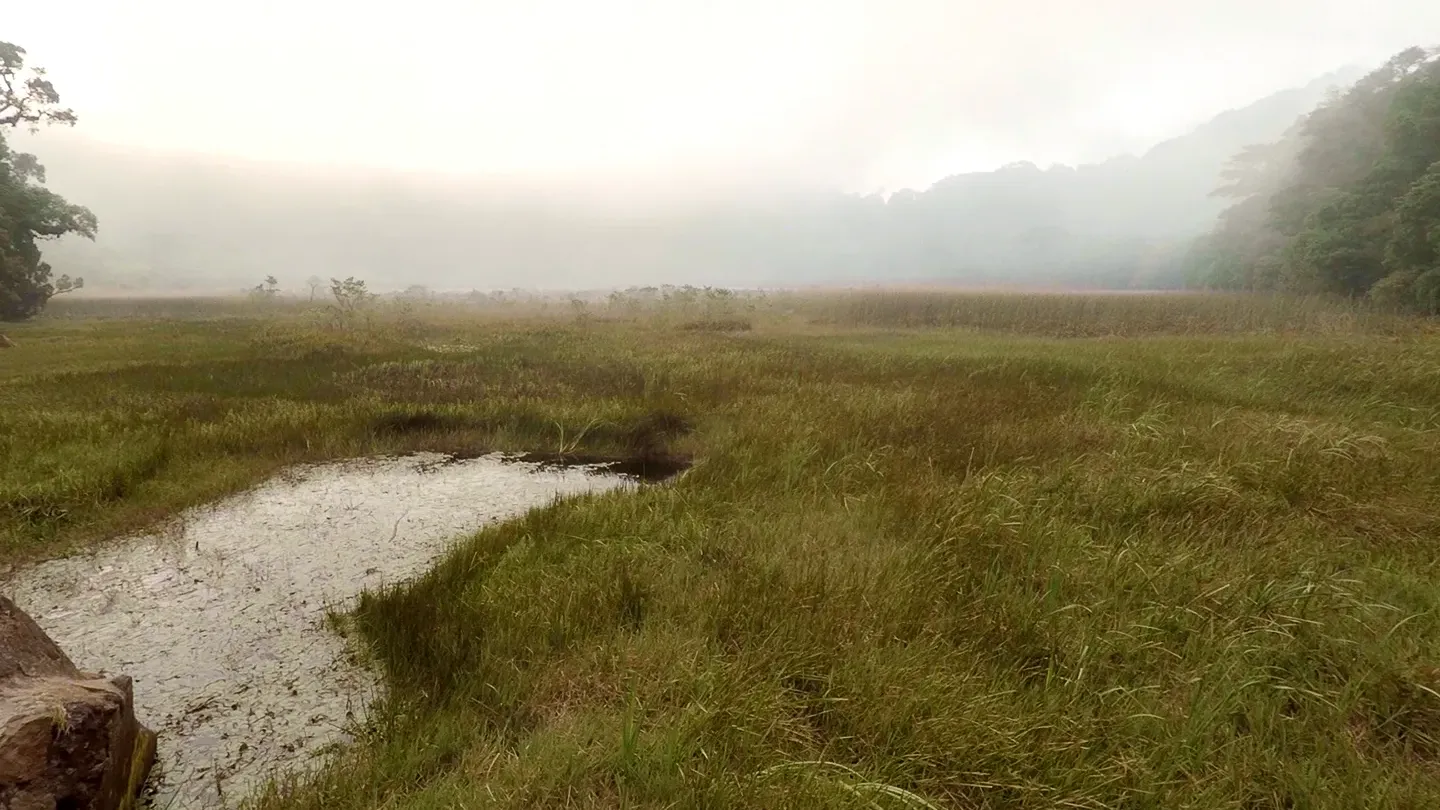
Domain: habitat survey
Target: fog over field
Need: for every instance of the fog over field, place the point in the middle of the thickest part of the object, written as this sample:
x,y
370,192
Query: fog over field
x,y
567,144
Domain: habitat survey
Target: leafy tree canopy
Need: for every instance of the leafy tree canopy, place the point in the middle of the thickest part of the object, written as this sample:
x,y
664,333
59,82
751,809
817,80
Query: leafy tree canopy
x,y
30,213
1347,203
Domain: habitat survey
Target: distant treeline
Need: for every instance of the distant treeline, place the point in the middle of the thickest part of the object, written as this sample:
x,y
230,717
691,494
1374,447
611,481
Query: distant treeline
x,y
1347,202
202,223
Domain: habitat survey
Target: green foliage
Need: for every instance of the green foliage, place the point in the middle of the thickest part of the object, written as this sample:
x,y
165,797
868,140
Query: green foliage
x,y
1347,203
350,294
352,303
27,98
1413,254
30,213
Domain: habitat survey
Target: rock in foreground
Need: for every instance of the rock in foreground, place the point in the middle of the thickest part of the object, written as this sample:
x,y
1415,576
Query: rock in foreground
x,y
68,739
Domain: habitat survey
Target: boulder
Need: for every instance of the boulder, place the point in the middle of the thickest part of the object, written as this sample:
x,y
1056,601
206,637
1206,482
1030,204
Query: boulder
x,y
25,650
68,739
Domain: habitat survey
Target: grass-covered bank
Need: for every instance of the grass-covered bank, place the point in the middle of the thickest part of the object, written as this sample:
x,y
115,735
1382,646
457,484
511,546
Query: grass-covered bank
x,y
979,568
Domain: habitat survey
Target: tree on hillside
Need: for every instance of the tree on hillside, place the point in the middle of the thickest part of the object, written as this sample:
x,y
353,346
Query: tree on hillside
x,y
1348,202
1412,257
1236,254
30,213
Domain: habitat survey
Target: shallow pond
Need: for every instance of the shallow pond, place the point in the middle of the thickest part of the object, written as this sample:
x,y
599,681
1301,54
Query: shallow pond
x,y
220,619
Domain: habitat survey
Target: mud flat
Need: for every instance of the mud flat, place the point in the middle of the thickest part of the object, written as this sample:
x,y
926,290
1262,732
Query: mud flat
x,y
220,619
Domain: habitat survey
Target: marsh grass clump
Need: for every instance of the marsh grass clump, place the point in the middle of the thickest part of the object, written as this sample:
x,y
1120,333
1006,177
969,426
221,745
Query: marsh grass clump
x,y
937,550
652,433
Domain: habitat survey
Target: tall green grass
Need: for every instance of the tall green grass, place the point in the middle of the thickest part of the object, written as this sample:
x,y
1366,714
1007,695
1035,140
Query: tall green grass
x,y
978,567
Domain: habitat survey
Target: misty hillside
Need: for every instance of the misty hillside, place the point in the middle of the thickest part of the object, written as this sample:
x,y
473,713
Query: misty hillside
x,y
209,224
1347,203
1120,222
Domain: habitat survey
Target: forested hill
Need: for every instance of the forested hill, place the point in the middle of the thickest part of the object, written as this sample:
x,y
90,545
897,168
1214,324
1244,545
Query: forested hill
x,y
1124,222
202,223
1347,202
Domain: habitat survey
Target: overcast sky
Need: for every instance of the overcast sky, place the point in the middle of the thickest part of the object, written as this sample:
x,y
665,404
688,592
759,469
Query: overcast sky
x,y
859,94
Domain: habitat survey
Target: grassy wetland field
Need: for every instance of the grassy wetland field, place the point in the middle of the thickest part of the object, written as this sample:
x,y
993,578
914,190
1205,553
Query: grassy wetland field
x,y
936,550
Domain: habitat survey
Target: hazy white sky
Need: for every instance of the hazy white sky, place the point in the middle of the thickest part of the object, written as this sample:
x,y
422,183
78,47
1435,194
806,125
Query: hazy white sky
x,y
852,93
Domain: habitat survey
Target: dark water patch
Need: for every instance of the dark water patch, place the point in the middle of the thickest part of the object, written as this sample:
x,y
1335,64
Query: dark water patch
x,y
648,469
400,423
